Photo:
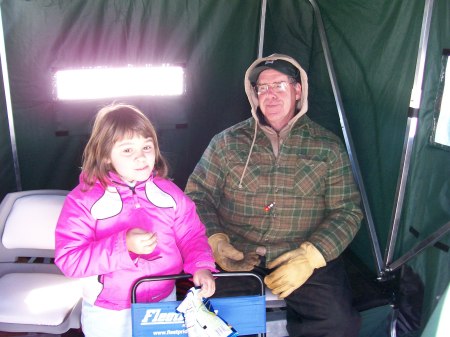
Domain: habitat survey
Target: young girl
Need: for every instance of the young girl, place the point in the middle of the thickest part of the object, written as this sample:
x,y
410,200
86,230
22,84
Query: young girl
x,y
126,220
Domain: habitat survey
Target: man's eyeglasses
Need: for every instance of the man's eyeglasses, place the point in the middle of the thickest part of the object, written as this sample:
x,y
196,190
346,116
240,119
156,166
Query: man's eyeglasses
x,y
277,87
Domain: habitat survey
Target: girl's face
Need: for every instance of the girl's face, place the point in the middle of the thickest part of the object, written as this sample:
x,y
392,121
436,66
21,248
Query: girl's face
x,y
133,158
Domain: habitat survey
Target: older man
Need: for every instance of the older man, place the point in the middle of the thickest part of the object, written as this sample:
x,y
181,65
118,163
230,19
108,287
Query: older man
x,y
277,196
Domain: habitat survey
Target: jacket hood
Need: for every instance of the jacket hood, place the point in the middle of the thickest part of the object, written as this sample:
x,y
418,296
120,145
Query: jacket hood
x,y
302,103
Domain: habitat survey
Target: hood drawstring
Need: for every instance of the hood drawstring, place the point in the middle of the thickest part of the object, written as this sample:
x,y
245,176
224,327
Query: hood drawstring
x,y
249,154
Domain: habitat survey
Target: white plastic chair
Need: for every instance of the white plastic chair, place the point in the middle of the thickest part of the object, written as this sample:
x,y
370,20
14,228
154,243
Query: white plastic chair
x,y
34,295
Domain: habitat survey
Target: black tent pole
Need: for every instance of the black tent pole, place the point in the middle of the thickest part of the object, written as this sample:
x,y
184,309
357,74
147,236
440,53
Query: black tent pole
x,y
421,246
9,110
411,127
349,142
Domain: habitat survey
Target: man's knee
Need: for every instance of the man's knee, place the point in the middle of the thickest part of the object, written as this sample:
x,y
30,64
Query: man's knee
x,y
336,319
339,325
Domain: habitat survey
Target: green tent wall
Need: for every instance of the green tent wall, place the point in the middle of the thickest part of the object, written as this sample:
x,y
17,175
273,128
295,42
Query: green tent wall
x,y
374,48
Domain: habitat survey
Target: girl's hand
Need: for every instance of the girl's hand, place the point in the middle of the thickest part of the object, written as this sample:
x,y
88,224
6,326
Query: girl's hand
x,y
140,242
203,278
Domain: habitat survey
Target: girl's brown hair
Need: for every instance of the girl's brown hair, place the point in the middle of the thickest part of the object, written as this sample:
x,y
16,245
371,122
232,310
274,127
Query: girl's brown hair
x,y
113,123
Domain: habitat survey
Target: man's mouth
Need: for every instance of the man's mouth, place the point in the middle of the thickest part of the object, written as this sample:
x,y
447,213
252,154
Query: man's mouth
x,y
272,104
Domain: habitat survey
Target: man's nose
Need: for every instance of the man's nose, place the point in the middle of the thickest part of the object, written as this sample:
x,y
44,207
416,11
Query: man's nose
x,y
271,90
271,94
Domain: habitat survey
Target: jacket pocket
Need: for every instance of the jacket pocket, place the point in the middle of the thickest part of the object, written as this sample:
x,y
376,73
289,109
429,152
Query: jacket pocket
x,y
249,180
310,177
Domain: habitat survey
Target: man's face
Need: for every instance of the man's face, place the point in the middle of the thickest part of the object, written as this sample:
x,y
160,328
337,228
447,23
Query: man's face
x,y
278,107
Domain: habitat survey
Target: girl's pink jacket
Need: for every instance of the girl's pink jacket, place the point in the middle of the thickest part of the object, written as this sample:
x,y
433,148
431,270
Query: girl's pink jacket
x,y
90,240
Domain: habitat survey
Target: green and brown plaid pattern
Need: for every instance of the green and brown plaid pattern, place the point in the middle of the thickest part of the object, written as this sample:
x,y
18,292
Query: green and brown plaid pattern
x,y
307,193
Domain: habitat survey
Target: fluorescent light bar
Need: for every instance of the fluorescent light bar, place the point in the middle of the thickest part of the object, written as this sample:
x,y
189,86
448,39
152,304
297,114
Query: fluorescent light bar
x,y
94,83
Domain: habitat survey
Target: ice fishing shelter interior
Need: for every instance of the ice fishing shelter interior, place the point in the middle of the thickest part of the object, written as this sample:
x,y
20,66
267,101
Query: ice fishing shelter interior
x,y
377,77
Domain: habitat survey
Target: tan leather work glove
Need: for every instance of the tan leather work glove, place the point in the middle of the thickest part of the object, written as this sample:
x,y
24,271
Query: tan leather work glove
x,y
228,257
293,269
